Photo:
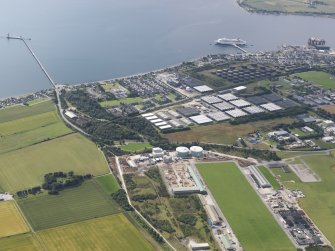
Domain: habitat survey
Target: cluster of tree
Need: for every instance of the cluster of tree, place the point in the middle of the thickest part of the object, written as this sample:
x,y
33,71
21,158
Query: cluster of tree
x,y
58,181
245,152
25,193
172,130
189,219
323,113
112,150
128,179
163,225
318,248
107,126
151,231
271,115
144,197
120,197
155,175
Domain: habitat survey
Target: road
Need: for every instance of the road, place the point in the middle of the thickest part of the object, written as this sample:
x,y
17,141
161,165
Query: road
x,y
136,211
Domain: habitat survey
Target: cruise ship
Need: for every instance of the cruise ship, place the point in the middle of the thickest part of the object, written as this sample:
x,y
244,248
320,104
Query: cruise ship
x,y
230,41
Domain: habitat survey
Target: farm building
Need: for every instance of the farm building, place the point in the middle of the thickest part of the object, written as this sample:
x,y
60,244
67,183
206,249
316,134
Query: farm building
x,y
212,214
201,119
224,106
258,177
203,88
188,111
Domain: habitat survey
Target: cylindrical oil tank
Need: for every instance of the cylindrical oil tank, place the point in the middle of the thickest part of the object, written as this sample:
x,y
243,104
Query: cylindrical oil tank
x,y
182,152
197,151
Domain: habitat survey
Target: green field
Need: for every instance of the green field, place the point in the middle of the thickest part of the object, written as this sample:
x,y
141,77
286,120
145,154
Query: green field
x,y
20,111
321,78
23,132
119,101
108,183
253,224
223,133
320,196
136,147
37,101
274,183
110,86
76,204
11,221
26,167
21,242
113,232
325,7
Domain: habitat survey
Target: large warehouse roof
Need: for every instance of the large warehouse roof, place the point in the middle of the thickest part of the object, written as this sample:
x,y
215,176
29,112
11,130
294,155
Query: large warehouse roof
x,y
271,107
211,99
201,119
218,116
188,111
253,109
203,88
257,100
227,97
240,103
223,106
271,97
236,113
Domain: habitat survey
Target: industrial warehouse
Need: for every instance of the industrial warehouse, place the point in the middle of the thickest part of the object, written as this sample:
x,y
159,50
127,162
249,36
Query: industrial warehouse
x,y
216,108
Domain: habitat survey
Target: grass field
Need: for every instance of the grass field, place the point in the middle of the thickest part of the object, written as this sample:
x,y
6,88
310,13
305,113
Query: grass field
x,y
253,224
274,183
21,242
329,108
30,130
119,101
20,111
36,101
76,204
320,196
110,86
26,167
113,232
321,78
108,183
11,221
223,133
289,6
136,147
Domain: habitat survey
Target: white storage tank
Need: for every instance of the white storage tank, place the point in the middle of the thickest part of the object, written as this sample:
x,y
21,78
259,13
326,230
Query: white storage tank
x,y
182,152
197,151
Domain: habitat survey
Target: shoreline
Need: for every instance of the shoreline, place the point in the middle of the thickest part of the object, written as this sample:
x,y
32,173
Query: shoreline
x,y
252,10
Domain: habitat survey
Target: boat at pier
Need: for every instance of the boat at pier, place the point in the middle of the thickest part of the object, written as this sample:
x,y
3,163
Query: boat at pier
x,y
231,41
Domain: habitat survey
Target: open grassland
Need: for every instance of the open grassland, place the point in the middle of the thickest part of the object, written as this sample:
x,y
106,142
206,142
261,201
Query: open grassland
x,y
113,232
20,111
274,183
253,224
37,101
76,204
119,101
136,147
329,108
26,167
20,133
291,6
321,78
21,242
11,221
223,133
320,196
108,183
